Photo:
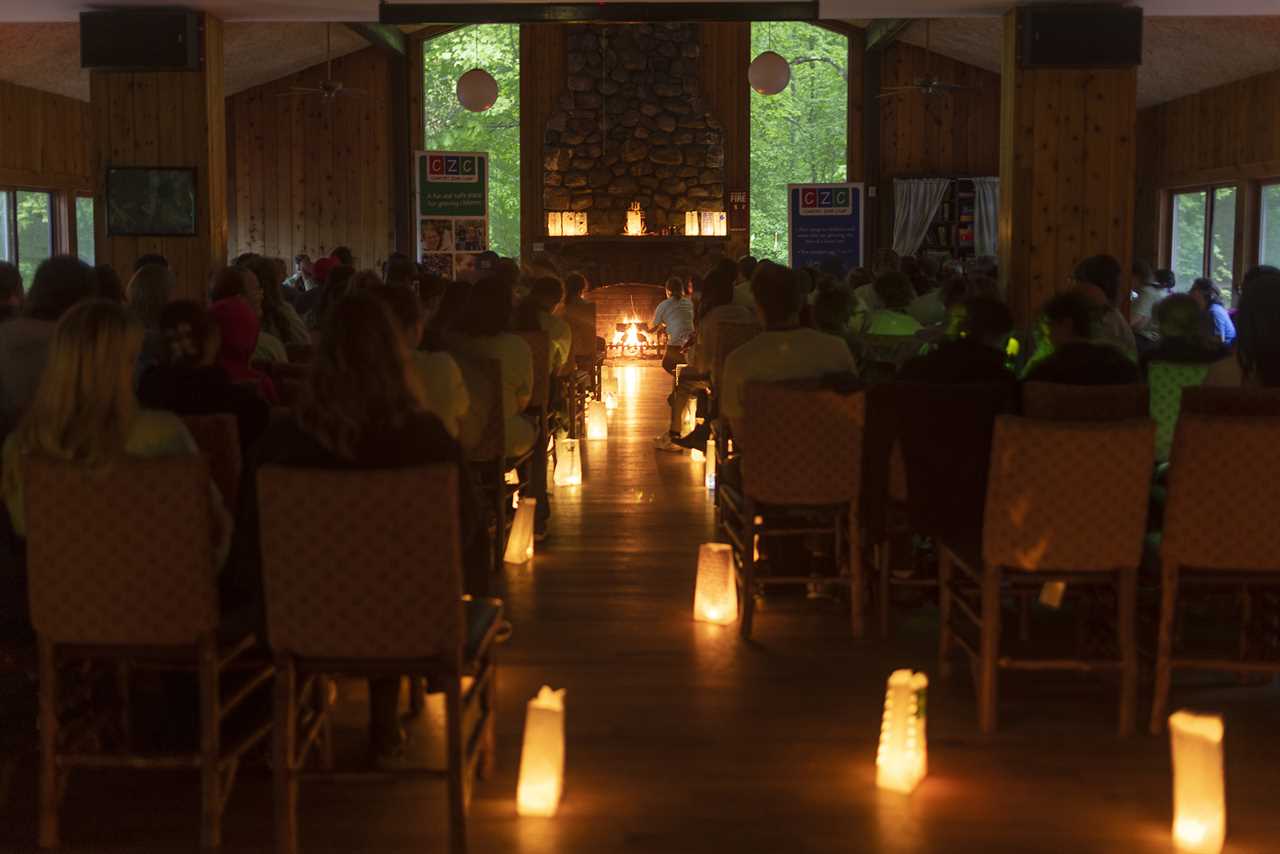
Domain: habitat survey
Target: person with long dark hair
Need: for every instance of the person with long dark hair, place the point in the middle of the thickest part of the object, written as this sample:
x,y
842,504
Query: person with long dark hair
x,y
1257,325
1209,298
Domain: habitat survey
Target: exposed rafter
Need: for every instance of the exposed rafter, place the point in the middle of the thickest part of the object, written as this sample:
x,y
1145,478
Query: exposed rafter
x,y
884,31
570,13
383,37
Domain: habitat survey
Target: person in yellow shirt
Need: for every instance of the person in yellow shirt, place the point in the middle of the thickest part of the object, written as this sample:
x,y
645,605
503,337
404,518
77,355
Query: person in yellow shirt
x,y
536,314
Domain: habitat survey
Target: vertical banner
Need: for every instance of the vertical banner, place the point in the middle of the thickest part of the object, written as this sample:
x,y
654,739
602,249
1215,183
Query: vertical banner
x,y
452,210
824,221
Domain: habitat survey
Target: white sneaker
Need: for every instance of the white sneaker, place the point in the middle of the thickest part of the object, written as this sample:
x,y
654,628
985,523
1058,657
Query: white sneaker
x,y
664,443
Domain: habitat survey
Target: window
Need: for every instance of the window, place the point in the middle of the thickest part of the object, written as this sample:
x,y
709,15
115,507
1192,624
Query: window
x,y
1203,242
495,48
801,134
27,219
1269,227
84,229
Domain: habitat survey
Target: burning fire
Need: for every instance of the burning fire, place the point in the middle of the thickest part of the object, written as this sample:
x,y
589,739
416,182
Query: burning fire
x,y
627,334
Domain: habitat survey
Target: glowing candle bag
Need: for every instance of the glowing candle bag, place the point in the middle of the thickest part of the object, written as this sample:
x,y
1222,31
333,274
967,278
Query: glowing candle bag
x,y
902,758
520,543
715,595
711,464
689,417
610,401
568,463
542,758
597,420
1199,796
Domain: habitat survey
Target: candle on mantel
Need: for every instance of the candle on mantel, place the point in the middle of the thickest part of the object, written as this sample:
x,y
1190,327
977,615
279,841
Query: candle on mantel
x,y
555,224
635,221
690,223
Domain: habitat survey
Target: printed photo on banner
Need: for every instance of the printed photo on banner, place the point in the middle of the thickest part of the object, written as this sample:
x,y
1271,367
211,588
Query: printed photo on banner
x,y
438,264
824,222
437,235
469,235
465,265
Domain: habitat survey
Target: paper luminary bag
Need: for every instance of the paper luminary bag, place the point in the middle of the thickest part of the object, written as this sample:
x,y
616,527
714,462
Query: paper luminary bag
x,y
715,596
542,757
597,420
902,758
1199,796
520,542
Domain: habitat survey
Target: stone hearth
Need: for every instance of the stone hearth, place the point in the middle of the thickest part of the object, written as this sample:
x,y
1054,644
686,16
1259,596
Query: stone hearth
x,y
633,127
649,260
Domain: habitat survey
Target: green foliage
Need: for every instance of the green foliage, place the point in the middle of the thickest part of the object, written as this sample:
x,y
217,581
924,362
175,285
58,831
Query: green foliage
x,y
84,229
450,127
799,135
1188,237
1190,220
35,231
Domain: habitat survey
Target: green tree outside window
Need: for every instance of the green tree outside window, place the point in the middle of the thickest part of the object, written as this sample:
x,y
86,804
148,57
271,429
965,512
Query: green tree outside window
x,y
451,127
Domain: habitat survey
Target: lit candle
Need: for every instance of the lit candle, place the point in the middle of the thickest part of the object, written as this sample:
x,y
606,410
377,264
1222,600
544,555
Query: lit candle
x,y
691,223
555,227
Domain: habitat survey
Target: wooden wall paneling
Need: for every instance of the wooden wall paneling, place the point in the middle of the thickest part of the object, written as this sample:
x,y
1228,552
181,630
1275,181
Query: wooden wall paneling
x,y
297,169
857,106
47,140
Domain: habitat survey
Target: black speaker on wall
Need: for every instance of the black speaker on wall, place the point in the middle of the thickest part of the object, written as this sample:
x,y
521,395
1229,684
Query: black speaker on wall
x,y
140,40
1079,36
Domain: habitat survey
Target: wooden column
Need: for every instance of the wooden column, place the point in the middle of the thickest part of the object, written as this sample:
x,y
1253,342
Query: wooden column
x,y
167,119
1066,174
722,70
543,61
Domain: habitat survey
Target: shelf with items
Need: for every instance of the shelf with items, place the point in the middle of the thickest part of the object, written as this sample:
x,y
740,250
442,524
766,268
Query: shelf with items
x,y
952,231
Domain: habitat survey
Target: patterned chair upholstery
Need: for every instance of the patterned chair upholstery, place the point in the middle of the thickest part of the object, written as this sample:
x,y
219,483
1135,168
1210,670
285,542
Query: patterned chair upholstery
x,y
218,438
730,337
801,454
369,583
1166,381
1084,402
121,569
1239,401
1219,528
1067,502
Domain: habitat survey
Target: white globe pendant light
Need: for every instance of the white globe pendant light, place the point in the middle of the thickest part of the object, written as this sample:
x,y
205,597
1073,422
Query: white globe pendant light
x,y
769,73
477,90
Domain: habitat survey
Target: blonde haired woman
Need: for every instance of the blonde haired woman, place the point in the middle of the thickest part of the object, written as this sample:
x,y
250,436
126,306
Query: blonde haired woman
x,y
85,411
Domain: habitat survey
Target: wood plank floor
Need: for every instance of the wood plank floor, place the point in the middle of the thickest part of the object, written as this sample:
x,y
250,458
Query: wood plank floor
x,y
683,739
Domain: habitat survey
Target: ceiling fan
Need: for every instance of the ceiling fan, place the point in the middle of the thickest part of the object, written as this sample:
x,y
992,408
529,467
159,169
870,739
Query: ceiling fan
x,y
930,84
329,89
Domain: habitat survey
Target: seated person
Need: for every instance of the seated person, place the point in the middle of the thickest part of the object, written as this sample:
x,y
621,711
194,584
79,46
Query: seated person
x,y
1257,323
785,350
882,262
1209,298
581,315
1150,288
190,380
535,313
675,315
238,332
1079,356
485,327
361,409
894,294
243,283
832,314
928,308
1179,323
1097,279
746,269
86,413
977,352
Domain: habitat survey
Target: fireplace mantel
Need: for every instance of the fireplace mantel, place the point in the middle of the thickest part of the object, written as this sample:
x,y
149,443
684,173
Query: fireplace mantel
x,y
652,259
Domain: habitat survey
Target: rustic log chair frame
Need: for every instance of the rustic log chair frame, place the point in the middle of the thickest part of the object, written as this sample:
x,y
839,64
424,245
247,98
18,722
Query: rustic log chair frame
x,y
1226,550
729,337
970,585
820,490
218,438
303,650
61,497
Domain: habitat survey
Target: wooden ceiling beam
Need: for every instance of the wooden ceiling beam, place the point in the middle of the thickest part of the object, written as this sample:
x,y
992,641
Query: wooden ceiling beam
x,y
884,31
385,38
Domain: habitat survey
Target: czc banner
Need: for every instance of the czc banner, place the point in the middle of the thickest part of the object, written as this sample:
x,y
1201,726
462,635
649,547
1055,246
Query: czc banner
x,y
824,221
453,210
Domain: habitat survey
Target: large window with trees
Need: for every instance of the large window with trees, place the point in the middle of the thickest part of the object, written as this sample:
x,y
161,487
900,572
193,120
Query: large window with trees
x,y
1269,226
26,218
801,134
84,229
1203,239
449,126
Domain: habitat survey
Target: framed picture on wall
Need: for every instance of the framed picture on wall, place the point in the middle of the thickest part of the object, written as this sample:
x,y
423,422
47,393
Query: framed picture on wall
x,y
151,201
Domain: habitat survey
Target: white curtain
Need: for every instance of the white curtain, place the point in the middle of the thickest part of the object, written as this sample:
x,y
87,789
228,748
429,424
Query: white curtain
x,y
915,204
987,228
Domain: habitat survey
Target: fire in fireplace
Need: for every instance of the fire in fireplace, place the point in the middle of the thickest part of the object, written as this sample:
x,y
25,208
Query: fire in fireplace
x,y
632,340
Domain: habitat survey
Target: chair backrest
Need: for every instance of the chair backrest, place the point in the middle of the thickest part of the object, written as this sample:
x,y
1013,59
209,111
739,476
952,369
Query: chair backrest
x,y
540,348
481,430
729,337
1060,402
123,555
945,433
879,441
1068,495
1166,381
802,445
1234,401
218,438
372,570
1223,506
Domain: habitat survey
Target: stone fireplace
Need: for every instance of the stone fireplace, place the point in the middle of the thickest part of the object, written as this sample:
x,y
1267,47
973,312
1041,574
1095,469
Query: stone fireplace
x,y
632,128
623,314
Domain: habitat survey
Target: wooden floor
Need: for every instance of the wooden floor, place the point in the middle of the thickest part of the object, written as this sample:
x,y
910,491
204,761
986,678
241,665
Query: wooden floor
x,y
681,738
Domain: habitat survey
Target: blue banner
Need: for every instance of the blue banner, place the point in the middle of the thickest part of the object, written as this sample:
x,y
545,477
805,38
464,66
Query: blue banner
x,y
824,221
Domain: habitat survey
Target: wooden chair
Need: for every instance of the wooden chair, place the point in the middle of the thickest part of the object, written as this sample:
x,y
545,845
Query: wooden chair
x,y
1220,530
1084,402
487,454
377,592
120,565
1167,381
937,470
1066,502
218,438
730,337
1238,401
801,466
535,463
